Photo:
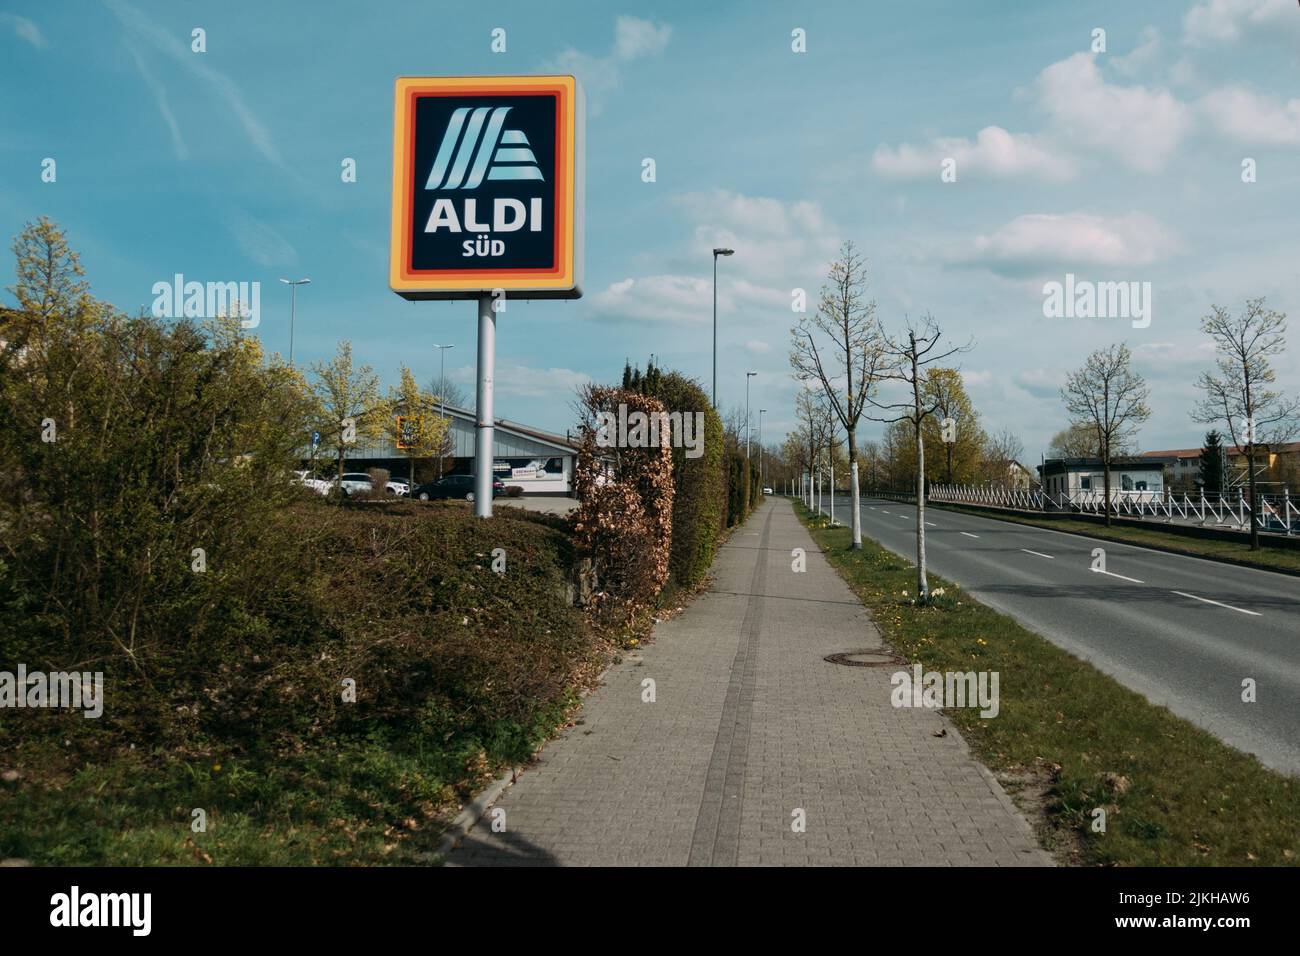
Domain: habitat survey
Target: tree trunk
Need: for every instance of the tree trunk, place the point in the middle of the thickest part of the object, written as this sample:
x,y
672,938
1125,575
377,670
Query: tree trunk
x,y
1254,501
1105,483
853,480
922,586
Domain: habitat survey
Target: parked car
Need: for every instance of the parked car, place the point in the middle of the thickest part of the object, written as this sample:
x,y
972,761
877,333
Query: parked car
x,y
352,482
399,486
308,480
453,486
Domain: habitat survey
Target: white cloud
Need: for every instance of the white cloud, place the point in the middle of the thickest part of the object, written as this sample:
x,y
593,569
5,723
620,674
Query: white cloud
x,y
660,298
260,242
1248,118
1226,21
527,382
25,29
994,153
1188,352
139,25
160,97
634,38
1036,243
758,347
779,246
1139,126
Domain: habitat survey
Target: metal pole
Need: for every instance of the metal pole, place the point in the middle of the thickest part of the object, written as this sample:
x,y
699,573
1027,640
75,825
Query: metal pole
x,y
747,377
487,334
832,487
293,308
715,330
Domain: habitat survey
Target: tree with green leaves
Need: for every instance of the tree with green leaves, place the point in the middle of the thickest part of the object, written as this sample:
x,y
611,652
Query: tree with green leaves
x,y
1213,463
349,406
414,425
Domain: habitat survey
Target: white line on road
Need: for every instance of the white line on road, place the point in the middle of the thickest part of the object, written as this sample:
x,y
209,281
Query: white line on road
x,y
1219,603
969,535
1114,575
886,511
1049,557
932,524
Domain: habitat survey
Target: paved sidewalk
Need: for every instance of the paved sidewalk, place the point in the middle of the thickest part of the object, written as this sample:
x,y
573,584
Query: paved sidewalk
x,y
749,724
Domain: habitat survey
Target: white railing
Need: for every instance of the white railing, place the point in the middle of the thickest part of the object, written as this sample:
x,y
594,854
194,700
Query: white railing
x,y
1279,514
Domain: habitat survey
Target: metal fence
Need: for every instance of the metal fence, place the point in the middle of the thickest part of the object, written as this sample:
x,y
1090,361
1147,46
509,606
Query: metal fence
x,y
1278,514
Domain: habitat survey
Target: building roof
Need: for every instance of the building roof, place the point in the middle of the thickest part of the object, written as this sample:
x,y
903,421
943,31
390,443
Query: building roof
x,y
1120,462
1282,448
561,442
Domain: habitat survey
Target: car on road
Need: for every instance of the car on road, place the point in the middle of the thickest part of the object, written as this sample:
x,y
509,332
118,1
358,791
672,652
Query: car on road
x,y
453,486
767,491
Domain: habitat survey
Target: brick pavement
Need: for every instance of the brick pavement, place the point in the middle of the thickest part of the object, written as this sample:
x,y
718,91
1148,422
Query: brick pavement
x,y
749,724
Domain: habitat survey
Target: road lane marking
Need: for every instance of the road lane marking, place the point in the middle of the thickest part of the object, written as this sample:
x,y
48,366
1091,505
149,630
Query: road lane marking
x,y
886,511
1114,575
969,535
1049,557
1218,603
932,524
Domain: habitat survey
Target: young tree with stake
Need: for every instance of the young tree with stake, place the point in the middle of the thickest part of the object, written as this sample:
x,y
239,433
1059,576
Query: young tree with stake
x,y
905,361
850,354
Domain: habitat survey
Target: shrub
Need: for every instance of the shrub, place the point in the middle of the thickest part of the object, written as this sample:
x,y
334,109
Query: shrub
x,y
624,520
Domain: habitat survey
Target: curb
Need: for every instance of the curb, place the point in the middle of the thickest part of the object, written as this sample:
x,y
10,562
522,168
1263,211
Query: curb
x,y
477,809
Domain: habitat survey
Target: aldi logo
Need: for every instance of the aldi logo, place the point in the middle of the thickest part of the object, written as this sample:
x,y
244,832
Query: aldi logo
x,y
487,187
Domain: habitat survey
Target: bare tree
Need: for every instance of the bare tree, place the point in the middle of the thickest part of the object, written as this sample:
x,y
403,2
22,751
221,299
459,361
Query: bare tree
x,y
1107,396
850,355
814,429
1000,450
905,361
1239,395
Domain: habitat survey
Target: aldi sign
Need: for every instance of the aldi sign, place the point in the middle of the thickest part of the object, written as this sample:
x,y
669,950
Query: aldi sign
x,y
487,187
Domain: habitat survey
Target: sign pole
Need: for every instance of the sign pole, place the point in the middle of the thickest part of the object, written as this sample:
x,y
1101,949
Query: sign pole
x,y
487,336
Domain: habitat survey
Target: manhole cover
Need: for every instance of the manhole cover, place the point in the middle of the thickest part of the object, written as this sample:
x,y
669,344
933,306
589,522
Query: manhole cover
x,y
864,659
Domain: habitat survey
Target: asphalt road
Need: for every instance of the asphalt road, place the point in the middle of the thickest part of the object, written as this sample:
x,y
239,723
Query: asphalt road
x,y
1151,620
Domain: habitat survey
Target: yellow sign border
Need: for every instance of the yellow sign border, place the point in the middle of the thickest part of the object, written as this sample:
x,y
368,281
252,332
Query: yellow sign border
x,y
565,284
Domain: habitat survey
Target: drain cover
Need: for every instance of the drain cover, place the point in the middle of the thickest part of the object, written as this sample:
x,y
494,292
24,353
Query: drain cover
x,y
864,659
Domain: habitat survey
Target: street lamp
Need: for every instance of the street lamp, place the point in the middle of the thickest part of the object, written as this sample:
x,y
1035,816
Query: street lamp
x,y
748,376
761,479
442,387
716,253
293,307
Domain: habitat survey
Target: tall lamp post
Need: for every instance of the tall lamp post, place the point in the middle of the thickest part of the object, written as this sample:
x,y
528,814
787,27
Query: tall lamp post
x,y
716,253
761,479
748,376
442,387
293,307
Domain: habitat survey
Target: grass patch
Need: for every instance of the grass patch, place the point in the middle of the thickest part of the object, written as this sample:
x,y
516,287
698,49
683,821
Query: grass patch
x,y
1230,552
1174,795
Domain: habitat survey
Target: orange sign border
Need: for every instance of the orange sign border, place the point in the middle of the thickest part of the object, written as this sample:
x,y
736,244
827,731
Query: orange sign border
x,y
560,281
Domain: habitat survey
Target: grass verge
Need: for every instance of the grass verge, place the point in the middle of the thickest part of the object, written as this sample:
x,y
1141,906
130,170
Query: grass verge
x,y
1173,794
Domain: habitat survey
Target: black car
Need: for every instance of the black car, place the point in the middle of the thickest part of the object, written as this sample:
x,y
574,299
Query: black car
x,y
453,486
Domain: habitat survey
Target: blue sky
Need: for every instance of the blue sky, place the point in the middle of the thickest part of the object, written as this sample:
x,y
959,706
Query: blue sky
x,y
1116,166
